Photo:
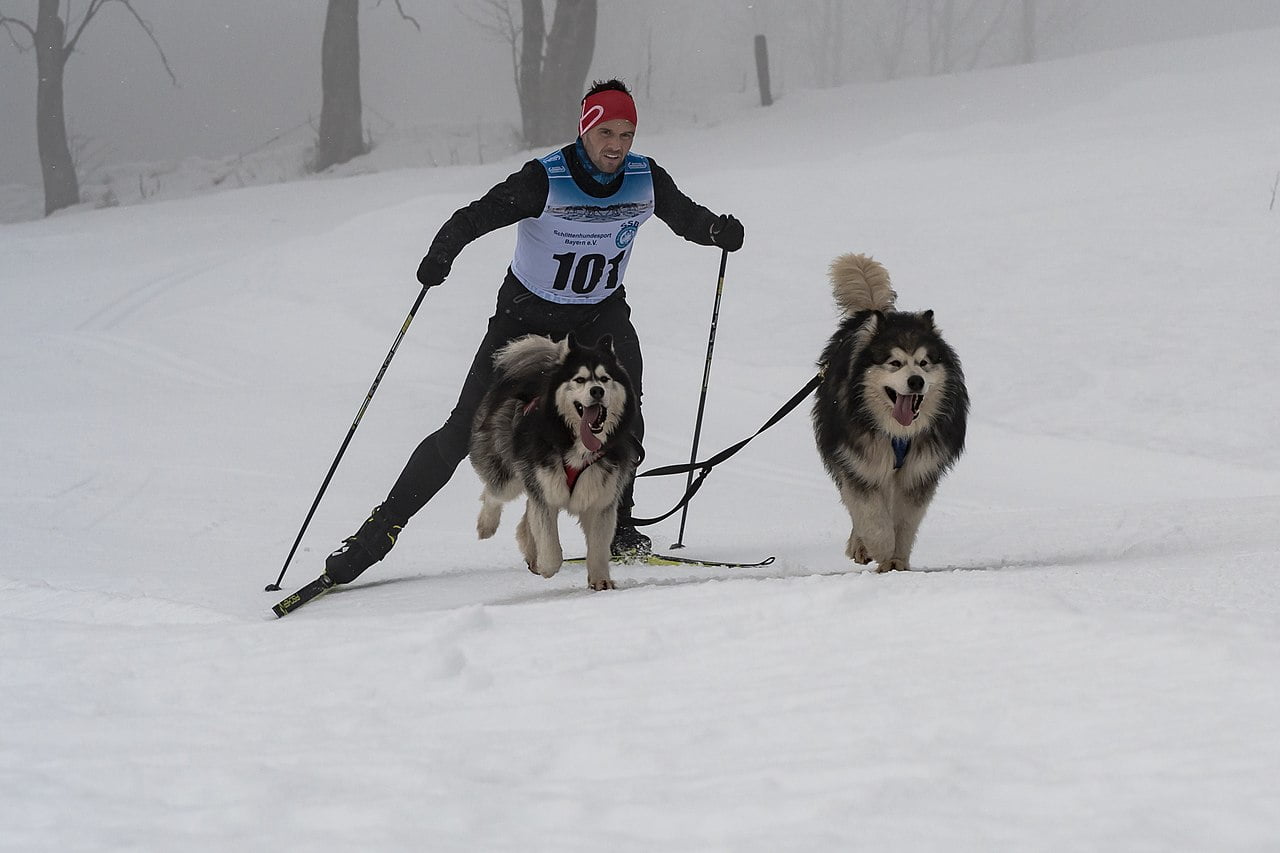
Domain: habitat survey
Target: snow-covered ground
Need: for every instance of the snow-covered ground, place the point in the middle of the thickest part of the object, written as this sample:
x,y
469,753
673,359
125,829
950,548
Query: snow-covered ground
x,y
1087,658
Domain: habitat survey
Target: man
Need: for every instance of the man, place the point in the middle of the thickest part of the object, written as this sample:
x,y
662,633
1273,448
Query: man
x,y
579,209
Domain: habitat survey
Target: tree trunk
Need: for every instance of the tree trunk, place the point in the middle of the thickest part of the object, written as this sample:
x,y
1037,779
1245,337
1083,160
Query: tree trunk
x,y
940,21
571,44
61,187
889,35
829,47
533,33
1028,31
552,80
341,124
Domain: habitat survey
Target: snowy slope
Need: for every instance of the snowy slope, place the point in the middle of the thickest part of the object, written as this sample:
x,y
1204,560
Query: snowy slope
x,y
1087,657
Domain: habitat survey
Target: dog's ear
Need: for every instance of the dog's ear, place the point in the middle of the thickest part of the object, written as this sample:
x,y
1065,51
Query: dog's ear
x,y
866,330
605,343
571,341
928,318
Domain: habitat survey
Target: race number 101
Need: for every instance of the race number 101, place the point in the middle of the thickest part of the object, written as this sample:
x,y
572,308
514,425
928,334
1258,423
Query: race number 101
x,y
582,273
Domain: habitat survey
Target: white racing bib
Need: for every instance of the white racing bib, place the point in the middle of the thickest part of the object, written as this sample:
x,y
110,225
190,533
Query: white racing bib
x,y
576,252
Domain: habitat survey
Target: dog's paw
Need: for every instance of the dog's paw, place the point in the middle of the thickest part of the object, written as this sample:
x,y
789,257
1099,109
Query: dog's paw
x,y
599,584
542,572
893,564
857,551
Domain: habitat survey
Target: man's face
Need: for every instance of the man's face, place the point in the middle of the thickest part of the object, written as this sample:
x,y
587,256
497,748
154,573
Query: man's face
x,y
608,143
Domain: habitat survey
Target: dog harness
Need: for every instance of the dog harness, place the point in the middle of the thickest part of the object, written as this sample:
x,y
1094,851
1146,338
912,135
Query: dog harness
x,y
576,252
900,448
571,473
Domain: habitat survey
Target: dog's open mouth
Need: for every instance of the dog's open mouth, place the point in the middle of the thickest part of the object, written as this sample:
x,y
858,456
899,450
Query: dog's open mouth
x,y
591,424
905,406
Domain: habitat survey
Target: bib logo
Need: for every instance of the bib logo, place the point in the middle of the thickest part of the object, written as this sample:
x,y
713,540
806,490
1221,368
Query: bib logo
x,y
626,234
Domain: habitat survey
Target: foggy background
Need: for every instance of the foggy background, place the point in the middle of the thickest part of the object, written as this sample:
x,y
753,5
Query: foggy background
x,y
249,72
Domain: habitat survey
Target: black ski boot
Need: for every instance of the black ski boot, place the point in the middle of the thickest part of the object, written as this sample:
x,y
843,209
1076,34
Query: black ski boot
x,y
369,545
629,543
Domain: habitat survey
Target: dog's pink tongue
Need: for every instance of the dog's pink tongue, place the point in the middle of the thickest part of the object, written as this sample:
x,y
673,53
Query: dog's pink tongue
x,y
902,409
589,440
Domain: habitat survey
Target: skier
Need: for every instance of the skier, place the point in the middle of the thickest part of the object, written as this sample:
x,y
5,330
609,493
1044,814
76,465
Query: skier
x,y
558,282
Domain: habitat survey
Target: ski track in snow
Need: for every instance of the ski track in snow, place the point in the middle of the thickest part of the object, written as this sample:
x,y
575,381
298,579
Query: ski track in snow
x,y
140,359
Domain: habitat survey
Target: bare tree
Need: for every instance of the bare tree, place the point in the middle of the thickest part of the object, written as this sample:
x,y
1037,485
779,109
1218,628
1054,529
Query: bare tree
x,y
550,68
939,27
52,47
341,115
533,35
958,33
888,25
644,79
945,36
825,31
497,18
566,59
1045,21
991,25
1027,31
341,134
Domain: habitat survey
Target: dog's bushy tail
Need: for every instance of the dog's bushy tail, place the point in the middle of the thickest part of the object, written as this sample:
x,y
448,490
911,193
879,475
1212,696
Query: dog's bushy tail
x,y
531,354
861,284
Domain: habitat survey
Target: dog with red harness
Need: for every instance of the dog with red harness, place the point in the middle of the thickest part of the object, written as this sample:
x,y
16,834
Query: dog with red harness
x,y
555,426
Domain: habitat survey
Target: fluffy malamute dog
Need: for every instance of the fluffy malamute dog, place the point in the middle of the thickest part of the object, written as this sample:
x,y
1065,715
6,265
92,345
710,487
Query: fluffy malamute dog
x,y
555,425
890,414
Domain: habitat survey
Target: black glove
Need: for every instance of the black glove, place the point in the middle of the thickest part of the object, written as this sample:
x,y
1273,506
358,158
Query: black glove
x,y
726,232
433,270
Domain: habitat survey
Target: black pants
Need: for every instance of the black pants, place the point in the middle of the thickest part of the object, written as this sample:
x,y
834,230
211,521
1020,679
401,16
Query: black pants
x,y
518,313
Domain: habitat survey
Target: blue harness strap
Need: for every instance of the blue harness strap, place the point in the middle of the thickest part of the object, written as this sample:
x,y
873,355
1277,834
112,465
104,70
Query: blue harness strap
x,y
900,448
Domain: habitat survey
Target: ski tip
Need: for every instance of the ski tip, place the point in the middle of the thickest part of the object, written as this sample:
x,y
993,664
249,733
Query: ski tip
x,y
288,605
316,588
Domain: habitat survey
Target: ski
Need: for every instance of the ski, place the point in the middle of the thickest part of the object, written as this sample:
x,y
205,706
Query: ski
x,y
311,591
323,584
673,560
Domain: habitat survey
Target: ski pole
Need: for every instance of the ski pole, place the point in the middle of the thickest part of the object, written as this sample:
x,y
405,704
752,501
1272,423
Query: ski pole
x,y
702,400
275,587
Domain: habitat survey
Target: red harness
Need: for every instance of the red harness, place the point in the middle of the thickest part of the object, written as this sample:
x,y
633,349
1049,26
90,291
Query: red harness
x,y
571,473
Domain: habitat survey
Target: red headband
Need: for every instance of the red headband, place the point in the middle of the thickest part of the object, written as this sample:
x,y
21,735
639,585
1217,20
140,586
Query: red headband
x,y
606,106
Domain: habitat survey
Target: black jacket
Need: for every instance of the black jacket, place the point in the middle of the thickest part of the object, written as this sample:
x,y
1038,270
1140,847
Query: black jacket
x,y
524,194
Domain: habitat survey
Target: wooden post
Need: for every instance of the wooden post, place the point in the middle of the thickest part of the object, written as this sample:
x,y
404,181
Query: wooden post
x,y
762,71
